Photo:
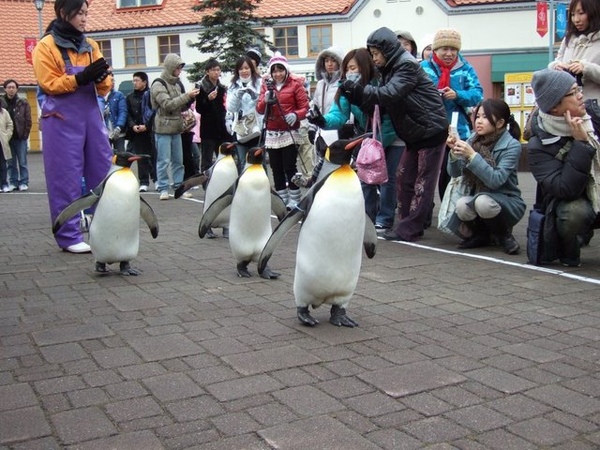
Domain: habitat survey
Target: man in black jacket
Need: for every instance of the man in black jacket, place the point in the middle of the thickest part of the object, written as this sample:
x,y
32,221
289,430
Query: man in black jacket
x,y
413,103
138,135
564,161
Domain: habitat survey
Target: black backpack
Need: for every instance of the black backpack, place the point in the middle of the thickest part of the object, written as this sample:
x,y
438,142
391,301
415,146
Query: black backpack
x,y
148,113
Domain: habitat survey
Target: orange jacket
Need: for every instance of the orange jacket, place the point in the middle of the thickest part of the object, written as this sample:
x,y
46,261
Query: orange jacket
x,y
49,67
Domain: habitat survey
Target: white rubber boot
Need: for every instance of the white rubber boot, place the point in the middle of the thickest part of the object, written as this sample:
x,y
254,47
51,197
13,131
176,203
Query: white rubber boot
x,y
295,197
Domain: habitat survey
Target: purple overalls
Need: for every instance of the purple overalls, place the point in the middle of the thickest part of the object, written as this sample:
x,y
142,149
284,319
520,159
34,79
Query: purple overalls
x,y
75,144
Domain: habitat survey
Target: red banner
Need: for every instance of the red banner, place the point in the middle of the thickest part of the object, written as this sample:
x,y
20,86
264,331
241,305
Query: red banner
x,y
29,46
542,18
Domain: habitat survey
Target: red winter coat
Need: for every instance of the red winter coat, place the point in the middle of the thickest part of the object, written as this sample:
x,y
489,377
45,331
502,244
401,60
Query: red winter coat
x,y
291,97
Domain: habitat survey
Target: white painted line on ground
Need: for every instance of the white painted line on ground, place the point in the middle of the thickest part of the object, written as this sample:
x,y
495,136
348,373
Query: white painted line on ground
x,y
501,261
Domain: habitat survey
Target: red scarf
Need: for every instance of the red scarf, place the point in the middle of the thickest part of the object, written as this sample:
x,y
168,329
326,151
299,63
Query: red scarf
x,y
444,80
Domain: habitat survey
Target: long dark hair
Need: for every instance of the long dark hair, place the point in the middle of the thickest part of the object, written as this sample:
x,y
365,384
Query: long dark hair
x,y
68,8
495,110
238,65
365,64
592,9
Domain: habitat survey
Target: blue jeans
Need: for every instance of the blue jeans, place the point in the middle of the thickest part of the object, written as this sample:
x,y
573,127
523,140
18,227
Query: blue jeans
x,y
381,208
17,165
169,151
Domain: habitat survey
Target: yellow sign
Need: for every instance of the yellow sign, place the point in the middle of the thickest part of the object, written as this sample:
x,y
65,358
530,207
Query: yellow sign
x,y
523,77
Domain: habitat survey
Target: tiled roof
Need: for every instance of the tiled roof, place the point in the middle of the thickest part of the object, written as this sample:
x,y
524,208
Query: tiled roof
x,y
459,3
104,16
21,21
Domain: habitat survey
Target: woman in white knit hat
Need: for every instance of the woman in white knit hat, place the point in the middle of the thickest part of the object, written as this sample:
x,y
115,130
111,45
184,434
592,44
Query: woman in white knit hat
x,y
284,96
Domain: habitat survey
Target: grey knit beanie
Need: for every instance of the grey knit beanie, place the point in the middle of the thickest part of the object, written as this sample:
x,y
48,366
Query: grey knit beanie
x,y
550,86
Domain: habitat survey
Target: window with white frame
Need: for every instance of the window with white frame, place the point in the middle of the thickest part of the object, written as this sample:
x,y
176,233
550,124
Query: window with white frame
x,y
135,52
319,38
286,41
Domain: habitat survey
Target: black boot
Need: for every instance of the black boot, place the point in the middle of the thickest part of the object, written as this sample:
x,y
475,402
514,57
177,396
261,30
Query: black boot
x,y
480,236
503,233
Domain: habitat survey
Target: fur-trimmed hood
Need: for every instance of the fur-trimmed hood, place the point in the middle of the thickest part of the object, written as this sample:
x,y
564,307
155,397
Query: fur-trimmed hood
x,y
332,52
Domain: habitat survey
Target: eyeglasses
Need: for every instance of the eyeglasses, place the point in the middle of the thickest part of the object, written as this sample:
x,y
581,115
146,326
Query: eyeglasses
x,y
577,90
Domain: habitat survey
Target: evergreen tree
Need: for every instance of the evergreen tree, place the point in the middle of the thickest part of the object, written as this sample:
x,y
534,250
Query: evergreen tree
x,y
227,32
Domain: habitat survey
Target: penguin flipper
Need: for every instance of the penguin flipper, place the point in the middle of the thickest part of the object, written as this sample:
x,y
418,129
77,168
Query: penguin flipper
x,y
278,206
149,217
288,222
214,210
76,206
194,180
370,238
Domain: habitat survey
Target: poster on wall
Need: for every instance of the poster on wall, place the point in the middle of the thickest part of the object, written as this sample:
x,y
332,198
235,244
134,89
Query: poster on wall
x,y
518,94
512,94
528,98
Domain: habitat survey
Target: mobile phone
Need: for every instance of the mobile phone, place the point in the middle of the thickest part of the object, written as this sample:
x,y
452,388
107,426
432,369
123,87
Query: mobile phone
x,y
454,124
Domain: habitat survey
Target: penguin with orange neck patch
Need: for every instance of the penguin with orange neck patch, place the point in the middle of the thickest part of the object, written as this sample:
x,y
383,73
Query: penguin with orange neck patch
x,y
251,200
115,227
334,231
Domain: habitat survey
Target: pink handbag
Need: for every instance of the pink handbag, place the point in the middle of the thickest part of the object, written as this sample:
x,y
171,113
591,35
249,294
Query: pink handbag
x,y
370,163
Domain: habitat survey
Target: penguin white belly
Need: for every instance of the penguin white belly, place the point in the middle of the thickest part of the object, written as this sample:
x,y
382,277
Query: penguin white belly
x,y
223,175
250,217
115,228
330,243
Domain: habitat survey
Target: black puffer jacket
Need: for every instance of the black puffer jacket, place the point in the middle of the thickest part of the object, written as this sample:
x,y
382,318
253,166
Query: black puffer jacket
x,y
562,179
406,94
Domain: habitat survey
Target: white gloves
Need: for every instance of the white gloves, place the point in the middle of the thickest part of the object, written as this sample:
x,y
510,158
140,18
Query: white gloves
x,y
290,119
116,132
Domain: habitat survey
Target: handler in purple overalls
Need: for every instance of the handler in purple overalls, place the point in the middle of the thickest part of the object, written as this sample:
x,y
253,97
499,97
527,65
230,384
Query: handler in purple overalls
x,y
71,72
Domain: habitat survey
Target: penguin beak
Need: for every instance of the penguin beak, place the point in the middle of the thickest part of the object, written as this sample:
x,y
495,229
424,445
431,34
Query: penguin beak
x,y
135,158
356,141
229,145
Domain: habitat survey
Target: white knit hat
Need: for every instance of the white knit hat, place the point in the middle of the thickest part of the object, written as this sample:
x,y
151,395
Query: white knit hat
x,y
278,58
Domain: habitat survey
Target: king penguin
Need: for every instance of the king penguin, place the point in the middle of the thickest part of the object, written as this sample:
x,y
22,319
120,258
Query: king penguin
x,y
251,200
218,178
115,227
334,230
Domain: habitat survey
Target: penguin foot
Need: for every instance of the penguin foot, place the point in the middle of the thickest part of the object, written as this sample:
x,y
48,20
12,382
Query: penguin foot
x,y
226,232
125,269
242,270
210,234
268,274
305,317
101,267
339,317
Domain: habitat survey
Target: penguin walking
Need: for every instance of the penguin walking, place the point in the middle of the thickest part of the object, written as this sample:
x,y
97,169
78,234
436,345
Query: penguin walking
x,y
251,201
115,229
334,230
221,175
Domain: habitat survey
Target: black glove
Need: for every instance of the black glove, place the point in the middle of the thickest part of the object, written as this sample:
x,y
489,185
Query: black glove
x,y
315,117
102,77
352,91
270,97
96,70
312,135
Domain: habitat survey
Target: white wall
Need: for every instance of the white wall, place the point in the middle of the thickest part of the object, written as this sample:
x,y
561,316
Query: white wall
x,y
489,31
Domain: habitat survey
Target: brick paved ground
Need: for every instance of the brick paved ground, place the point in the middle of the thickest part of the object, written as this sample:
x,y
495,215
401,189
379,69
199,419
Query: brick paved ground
x,y
454,351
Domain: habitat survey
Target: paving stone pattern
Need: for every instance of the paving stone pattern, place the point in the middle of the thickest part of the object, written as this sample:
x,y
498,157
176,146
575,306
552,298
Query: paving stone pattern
x,y
455,350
